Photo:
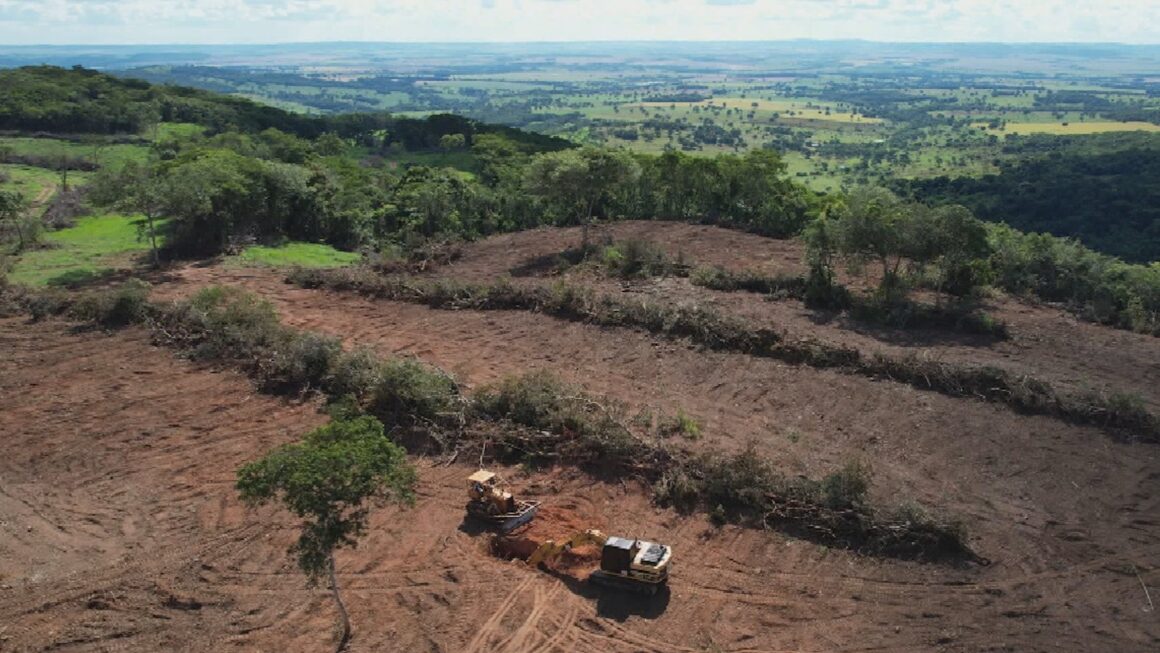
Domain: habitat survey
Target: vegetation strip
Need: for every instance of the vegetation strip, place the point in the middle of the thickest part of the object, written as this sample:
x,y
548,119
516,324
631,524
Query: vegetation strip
x,y
533,419
897,312
1120,413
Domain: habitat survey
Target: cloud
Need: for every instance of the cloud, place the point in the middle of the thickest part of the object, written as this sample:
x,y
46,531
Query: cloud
x,y
263,21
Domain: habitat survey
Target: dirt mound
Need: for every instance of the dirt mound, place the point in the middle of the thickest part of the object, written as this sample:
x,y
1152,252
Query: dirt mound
x,y
555,523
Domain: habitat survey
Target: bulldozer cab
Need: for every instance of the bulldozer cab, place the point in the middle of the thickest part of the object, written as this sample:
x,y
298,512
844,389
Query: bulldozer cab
x,y
487,487
481,483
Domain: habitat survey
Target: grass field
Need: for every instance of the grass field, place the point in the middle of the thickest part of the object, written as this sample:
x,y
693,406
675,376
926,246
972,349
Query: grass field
x,y
96,246
1071,128
31,182
171,130
99,150
309,255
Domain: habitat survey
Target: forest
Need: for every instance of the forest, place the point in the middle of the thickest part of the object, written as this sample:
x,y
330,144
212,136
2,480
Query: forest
x,y
242,174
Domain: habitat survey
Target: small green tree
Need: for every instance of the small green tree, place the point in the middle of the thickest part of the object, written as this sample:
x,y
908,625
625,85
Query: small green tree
x,y
574,184
449,142
330,480
876,226
12,206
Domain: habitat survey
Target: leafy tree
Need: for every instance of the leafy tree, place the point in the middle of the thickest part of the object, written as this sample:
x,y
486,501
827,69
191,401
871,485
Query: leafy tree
x,y
876,226
331,480
449,142
576,184
133,188
12,205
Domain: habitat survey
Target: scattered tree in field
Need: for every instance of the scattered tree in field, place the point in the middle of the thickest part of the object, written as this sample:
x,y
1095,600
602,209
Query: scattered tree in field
x,y
12,213
138,190
331,480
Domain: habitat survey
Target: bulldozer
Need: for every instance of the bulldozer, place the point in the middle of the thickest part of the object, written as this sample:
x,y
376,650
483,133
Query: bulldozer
x,y
489,502
626,564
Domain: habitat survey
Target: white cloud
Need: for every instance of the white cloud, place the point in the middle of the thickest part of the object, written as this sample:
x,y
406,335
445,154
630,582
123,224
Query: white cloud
x,y
265,21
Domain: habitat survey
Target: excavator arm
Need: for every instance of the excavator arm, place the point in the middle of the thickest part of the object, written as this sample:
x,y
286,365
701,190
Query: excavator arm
x,y
551,549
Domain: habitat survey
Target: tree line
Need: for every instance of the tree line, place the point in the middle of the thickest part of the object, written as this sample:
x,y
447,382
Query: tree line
x,y
340,181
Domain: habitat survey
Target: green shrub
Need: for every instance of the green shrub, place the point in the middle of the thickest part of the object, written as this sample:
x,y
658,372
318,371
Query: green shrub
x,y
677,488
118,307
47,303
225,323
408,392
354,374
778,287
682,424
846,488
299,362
567,424
823,291
638,258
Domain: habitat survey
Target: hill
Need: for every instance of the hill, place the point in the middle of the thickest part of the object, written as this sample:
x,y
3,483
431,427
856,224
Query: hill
x,y
159,449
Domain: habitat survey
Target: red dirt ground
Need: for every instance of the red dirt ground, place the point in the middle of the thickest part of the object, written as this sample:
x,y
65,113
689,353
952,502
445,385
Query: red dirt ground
x,y
1047,341
121,529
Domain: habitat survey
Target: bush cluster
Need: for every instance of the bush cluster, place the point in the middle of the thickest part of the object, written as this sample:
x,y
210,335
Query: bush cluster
x,y
230,325
835,510
564,425
892,311
905,313
781,286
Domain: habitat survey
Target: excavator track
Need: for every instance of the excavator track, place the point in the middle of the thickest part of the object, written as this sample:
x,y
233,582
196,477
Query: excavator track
x,y
623,583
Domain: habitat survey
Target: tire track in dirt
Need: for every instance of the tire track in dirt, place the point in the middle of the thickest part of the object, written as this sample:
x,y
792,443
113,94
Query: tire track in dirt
x,y
491,629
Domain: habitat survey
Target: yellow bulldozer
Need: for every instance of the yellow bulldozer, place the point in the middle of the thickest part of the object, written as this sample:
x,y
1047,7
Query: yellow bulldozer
x,y
632,565
491,503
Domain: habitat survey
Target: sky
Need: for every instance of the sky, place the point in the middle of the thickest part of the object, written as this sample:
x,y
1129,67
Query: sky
x,y
26,22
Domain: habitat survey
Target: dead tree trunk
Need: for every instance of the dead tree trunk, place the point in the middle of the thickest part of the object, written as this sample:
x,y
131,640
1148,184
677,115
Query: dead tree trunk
x,y
344,641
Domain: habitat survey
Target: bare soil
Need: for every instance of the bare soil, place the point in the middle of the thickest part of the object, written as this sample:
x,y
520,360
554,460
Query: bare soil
x,y
120,528
1046,341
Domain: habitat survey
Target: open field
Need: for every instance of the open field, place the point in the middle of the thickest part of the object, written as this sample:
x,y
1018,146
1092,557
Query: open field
x,y
96,246
125,530
97,150
310,255
1072,128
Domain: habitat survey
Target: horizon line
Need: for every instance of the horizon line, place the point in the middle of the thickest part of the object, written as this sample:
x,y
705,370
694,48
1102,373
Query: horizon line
x,y
575,42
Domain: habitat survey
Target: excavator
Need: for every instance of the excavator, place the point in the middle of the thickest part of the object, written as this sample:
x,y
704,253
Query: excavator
x,y
489,502
632,565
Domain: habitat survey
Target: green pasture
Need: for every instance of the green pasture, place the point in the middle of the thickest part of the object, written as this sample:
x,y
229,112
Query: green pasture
x,y
95,247
96,148
1070,128
308,255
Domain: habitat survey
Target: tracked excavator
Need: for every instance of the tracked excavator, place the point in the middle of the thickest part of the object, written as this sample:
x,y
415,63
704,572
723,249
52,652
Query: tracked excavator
x,y
489,502
632,565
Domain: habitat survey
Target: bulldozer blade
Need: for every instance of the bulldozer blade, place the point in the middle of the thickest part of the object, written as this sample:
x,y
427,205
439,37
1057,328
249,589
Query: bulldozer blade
x,y
512,523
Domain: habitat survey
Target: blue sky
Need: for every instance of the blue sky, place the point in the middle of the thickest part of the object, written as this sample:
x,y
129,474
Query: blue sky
x,y
271,21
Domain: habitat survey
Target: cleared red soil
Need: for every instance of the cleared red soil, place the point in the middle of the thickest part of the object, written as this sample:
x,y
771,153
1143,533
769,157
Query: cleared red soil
x,y
1047,342
120,530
